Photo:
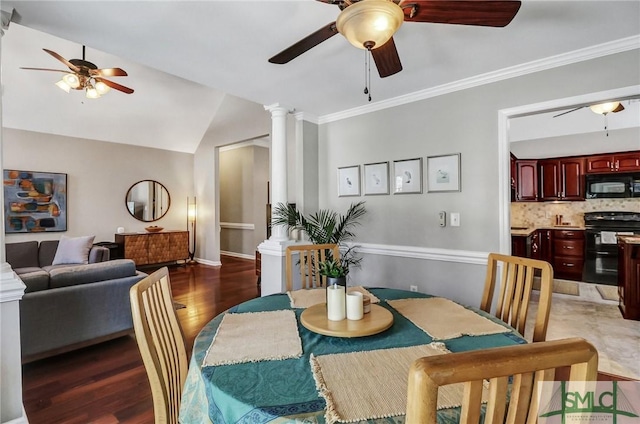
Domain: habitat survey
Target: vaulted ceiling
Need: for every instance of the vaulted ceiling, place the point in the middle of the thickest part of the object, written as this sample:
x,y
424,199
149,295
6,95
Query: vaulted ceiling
x,y
184,57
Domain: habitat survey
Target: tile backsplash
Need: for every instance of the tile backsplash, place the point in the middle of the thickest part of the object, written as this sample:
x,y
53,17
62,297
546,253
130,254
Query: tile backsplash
x,y
542,214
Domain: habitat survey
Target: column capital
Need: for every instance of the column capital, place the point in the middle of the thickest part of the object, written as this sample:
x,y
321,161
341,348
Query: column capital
x,y
277,109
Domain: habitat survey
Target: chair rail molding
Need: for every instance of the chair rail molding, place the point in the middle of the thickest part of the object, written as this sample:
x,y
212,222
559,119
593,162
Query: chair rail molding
x,y
237,226
424,253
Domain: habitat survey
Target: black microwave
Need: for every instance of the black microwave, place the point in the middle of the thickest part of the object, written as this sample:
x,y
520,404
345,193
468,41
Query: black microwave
x,y
608,186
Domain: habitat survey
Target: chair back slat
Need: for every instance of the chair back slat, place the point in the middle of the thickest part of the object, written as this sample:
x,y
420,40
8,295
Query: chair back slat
x,y
516,283
521,363
161,343
309,256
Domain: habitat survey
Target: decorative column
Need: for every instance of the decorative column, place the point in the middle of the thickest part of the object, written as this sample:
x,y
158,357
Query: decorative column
x,y
11,291
273,250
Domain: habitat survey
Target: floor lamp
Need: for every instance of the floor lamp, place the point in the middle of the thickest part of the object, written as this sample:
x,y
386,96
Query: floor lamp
x,y
192,212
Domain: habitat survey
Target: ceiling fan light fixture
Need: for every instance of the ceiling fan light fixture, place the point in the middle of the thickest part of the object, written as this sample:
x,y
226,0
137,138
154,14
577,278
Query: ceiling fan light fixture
x,y
63,85
92,93
72,80
102,88
369,24
604,108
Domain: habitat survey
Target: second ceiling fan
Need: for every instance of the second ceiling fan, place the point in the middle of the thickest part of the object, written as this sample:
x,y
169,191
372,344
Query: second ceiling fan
x,y
370,24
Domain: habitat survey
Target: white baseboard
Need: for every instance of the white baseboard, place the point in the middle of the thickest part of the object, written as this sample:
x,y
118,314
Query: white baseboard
x,y
238,255
208,262
20,420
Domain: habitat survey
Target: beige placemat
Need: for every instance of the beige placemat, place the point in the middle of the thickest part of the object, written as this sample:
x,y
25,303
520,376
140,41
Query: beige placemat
x,y
305,298
254,336
444,319
373,384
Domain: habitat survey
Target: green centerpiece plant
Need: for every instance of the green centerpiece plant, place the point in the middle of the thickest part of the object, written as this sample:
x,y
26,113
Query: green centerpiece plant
x,y
326,227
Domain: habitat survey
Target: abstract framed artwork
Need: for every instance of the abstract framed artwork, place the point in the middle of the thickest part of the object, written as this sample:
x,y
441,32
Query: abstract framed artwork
x,y
349,181
376,178
35,201
443,173
407,176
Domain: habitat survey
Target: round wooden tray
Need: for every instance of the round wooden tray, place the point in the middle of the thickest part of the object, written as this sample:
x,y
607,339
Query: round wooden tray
x,y
315,319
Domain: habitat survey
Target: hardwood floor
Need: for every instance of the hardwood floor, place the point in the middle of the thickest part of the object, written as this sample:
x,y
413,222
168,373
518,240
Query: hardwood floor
x,y
107,383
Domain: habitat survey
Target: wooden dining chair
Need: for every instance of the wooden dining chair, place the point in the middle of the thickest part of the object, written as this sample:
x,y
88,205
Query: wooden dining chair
x,y
161,343
309,257
516,283
521,367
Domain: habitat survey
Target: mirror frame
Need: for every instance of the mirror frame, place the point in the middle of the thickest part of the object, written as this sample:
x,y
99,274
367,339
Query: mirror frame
x,y
161,187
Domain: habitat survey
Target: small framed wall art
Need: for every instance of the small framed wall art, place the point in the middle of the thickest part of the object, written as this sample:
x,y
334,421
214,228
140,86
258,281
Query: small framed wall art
x,y
376,178
443,173
407,176
349,181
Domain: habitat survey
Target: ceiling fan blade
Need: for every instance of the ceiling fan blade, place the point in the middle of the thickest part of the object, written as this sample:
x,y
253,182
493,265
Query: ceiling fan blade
x,y
569,111
305,44
46,69
620,108
115,86
71,66
108,72
387,59
492,13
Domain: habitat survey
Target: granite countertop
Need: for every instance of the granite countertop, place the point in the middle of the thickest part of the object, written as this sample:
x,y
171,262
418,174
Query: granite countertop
x,y
527,231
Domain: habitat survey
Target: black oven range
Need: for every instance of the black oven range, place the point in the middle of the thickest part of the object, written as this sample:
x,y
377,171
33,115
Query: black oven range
x,y
601,247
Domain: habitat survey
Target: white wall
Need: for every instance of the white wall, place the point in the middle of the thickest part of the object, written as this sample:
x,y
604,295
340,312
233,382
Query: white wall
x,y
235,120
99,175
463,122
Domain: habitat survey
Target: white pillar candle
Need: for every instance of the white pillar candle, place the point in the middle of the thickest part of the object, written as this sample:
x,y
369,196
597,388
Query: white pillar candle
x,y
335,303
355,308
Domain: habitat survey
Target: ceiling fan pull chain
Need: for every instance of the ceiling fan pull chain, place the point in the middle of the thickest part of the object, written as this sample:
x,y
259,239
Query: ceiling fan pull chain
x,y
367,72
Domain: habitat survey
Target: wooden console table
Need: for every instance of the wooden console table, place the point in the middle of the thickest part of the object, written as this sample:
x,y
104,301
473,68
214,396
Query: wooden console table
x,y
154,248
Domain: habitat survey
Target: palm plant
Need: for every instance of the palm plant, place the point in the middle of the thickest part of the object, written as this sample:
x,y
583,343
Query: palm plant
x,y
324,226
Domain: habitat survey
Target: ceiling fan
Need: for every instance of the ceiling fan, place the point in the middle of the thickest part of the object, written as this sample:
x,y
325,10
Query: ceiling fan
x,y
370,24
84,75
600,108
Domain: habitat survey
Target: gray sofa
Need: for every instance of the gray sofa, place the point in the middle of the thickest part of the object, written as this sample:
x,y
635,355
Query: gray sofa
x,y
73,305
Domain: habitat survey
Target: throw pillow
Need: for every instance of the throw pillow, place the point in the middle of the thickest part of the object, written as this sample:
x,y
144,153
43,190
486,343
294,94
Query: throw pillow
x,y
73,250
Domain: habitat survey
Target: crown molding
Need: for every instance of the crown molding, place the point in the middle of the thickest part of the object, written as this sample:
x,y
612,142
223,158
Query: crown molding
x,y
262,141
581,55
306,116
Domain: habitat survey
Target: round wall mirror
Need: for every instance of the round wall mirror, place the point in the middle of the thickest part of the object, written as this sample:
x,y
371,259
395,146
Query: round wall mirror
x,y
148,200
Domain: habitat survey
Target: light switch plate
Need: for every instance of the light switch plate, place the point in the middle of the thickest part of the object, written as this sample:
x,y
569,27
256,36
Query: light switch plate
x,y
442,217
455,219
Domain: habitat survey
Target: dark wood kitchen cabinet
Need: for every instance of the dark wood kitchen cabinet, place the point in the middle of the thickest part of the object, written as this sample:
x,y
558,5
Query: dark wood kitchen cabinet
x,y
526,180
561,179
617,162
568,254
629,277
545,245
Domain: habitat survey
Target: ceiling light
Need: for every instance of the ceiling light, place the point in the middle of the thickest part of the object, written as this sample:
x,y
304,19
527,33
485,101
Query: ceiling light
x,y
102,88
72,80
92,93
604,108
369,24
63,85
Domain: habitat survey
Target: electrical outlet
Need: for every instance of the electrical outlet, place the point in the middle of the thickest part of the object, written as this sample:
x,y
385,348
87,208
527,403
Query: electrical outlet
x,y
442,218
413,288
454,219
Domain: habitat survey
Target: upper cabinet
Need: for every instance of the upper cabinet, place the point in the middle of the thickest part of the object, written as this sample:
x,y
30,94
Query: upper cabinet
x,y
526,180
617,162
561,179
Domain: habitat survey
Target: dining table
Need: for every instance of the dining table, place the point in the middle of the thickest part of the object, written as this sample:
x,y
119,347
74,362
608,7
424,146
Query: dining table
x,y
231,379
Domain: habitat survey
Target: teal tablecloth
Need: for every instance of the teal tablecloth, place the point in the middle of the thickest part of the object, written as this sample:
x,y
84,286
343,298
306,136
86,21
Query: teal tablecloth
x,y
285,391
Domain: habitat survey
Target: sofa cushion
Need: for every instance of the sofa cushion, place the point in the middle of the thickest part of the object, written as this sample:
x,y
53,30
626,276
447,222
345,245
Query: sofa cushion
x,y
73,250
23,254
34,278
47,251
63,276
